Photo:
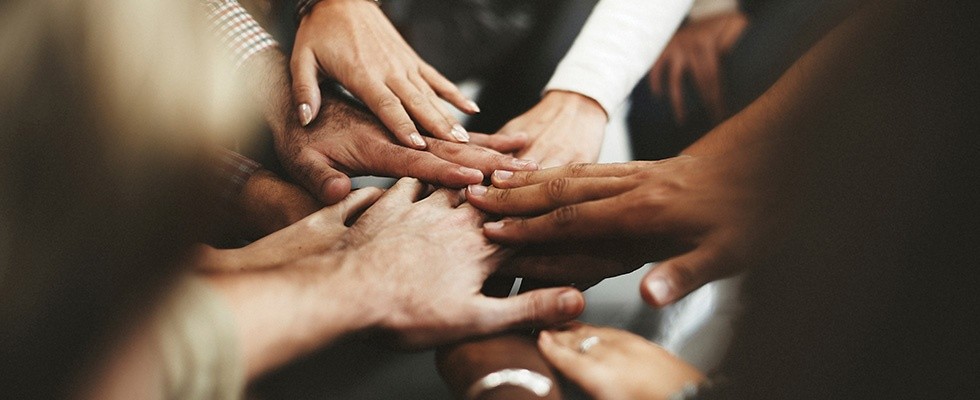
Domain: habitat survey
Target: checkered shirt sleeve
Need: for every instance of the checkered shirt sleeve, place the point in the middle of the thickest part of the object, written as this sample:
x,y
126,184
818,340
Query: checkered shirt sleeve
x,y
237,30
231,172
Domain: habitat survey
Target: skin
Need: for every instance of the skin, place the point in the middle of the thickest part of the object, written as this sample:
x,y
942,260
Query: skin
x,y
353,42
653,373
371,279
462,364
267,203
627,214
697,51
729,198
350,142
563,128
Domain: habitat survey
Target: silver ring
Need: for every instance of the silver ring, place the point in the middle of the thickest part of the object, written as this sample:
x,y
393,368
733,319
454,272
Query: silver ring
x,y
587,344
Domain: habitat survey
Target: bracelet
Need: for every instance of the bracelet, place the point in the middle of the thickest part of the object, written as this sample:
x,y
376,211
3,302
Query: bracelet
x,y
304,7
534,382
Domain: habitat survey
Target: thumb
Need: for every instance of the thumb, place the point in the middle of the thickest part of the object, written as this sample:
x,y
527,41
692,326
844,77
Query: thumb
x,y
675,278
315,174
306,87
542,307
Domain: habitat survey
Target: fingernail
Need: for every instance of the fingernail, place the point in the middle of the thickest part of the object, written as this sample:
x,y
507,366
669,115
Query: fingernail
x,y
525,164
568,302
475,174
495,225
477,190
305,114
502,175
460,134
660,290
417,140
473,107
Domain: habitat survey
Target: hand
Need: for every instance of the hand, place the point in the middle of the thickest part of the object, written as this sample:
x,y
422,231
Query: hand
x,y
620,366
462,364
315,234
267,204
419,267
705,214
353,42
698,49
563,128
350,142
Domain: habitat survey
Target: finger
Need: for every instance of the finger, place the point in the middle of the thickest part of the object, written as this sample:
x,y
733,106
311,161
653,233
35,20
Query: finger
x,y
428,167
388,108
313,171
477,158
589,220
677,70
505,144
544,197
458,132
357,201
447,90
708,84
420,106
514,179
537,308
306,87
675,278
404,191
450,198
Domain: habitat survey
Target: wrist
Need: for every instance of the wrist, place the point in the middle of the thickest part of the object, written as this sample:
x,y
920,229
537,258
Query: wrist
x,y
575,104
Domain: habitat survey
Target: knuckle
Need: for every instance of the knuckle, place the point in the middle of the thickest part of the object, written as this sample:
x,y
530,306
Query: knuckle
x,y
556,188
387,102
501,195
564,215
577,169
417,100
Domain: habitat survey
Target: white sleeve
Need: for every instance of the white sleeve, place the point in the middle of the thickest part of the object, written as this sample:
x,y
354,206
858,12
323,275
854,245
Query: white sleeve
x,y
707,8
617,46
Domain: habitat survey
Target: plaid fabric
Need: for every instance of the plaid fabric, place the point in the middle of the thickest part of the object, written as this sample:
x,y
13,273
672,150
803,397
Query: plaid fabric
x,y
237,30
231,172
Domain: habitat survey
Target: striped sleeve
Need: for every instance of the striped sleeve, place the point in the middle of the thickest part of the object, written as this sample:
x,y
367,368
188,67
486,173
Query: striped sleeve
x,y
237,30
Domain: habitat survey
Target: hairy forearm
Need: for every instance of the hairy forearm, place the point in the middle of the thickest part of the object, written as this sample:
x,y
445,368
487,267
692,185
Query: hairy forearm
x,y
267,77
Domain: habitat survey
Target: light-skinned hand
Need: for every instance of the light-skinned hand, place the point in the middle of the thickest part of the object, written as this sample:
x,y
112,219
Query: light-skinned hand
x,y
563,128
620,365
353,42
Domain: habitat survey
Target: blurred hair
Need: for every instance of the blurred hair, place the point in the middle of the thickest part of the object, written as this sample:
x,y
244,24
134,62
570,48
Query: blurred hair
x,y
107,108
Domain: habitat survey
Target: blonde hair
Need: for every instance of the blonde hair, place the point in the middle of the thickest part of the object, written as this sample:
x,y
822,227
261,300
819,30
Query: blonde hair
x,y
105,109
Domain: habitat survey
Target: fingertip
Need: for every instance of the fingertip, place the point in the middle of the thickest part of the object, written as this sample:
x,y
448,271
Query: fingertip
x,y
571,302
415,140
335,189
470,176
657,291
305,114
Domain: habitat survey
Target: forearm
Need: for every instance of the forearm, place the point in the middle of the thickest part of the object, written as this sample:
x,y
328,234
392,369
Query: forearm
x,y
284,313
463,364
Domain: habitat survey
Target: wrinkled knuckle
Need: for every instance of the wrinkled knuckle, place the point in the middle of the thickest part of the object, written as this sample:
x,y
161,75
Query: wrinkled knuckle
x,y
386,102
532,309
417,100
555,189
577,169
564,215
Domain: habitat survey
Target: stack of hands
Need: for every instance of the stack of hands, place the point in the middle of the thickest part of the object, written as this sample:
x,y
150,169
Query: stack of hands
x,y
414,258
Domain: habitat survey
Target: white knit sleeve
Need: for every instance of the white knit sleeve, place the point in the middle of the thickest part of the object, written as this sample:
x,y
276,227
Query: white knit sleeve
x,y
617,46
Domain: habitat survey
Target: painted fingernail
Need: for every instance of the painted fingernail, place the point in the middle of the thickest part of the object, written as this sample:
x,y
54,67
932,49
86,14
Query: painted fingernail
x,y
417,140
305,114
495,225
569,302
473,107
525,164
502,175
474,174
477,190
460,133
660,290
